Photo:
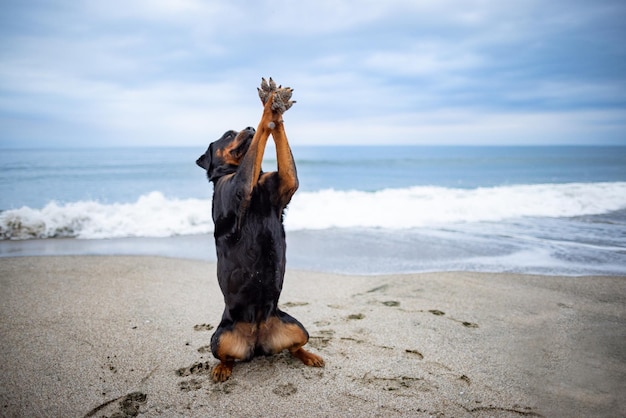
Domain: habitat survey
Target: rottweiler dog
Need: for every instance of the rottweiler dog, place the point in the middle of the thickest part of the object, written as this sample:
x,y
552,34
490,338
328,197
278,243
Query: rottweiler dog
x,y
248,210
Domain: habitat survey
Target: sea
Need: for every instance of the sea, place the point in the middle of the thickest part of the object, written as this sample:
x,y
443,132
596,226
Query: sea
x,y
555,210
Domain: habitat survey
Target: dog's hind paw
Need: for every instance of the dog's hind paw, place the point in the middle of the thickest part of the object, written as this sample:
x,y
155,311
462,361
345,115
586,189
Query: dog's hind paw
x,y
222,371
281,95
308,358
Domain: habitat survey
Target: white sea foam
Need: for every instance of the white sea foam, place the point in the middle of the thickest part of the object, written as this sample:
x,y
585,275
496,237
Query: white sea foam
x,y
426,206
154,215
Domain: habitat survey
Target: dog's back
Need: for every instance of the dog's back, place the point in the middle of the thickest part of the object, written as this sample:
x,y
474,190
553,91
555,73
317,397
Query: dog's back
x,y
250,248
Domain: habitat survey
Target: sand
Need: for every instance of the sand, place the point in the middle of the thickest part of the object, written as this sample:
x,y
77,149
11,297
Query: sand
x,y
126,336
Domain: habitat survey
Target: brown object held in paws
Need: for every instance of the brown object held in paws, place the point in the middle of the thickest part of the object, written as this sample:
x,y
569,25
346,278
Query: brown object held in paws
x,y
248,209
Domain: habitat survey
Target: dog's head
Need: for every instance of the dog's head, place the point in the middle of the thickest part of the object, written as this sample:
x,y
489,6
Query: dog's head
x,y
224,155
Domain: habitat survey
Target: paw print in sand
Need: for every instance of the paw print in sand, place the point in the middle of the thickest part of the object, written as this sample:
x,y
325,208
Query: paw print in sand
x,y
281,102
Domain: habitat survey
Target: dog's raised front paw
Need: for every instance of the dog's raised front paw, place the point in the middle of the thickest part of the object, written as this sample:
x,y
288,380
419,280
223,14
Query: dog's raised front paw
x,y
281,95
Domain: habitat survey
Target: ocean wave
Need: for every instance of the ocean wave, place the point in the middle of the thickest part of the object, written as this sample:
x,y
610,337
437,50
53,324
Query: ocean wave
x,y
422,206
154,215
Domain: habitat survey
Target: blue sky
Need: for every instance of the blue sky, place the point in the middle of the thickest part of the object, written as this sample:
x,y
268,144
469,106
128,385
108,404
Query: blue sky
x,y
468,72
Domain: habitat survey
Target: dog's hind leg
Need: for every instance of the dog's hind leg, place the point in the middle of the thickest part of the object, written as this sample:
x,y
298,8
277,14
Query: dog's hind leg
x,y
229,344
283,332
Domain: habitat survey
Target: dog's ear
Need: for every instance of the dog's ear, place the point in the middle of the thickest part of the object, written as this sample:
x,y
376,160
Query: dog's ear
x,y
205,159
214,169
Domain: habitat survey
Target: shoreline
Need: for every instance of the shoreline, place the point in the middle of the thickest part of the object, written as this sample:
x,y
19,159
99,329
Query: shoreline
x,y
96,335
358,252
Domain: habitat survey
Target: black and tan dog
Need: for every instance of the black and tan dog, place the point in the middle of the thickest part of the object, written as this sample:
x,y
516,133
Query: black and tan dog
x,y
248,207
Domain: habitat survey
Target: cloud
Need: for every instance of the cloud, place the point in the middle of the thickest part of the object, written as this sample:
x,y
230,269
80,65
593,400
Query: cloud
x,y
180,72
467,127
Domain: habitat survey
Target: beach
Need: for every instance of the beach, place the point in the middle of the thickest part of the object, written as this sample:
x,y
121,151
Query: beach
x,y
129,335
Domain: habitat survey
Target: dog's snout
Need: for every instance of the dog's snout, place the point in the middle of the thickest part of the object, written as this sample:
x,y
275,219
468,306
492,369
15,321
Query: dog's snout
x,y
251,129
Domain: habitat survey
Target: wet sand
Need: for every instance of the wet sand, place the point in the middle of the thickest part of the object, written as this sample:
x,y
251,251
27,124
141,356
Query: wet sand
x,y
128,335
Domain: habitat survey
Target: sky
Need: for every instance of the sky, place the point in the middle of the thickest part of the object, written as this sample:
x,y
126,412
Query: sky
x,y
423,72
